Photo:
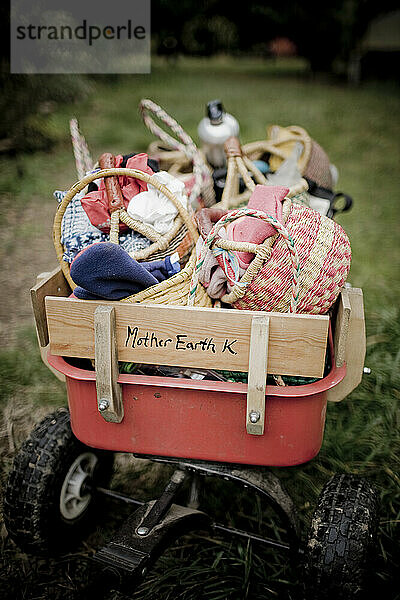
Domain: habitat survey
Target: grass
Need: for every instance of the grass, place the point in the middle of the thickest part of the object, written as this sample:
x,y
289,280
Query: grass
x,y
359,129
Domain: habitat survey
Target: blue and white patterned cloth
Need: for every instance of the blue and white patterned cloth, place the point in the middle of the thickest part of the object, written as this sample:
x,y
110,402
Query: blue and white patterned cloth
x,y
77,232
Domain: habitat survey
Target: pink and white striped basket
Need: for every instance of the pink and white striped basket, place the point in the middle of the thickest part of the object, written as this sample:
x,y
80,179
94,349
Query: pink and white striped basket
x,y
301,269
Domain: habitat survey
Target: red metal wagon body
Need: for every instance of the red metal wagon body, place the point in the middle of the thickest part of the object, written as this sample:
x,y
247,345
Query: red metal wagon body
x,y
202,420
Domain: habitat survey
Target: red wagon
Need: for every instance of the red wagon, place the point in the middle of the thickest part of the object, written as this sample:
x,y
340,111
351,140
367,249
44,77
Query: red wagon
x,y
201,427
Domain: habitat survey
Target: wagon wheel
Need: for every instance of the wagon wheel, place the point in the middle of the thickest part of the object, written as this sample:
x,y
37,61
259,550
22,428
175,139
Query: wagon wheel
x,y
49,499
341,539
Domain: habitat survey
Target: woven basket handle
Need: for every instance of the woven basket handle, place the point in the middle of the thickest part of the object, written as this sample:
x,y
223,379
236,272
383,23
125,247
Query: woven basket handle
x,y
240,165
184,144
161,242
113,189
273,146
261,252
83,159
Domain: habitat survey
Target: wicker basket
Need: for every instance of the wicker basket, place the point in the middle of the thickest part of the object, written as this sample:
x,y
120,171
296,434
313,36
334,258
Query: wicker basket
x,y
324,260
323,249
313,163
171,291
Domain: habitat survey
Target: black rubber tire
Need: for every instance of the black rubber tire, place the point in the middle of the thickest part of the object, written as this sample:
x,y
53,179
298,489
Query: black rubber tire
x,y
32,498
341,539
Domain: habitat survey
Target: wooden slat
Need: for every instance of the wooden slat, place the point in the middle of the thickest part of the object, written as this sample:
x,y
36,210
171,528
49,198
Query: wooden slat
x,y
51,284
258,366
354,355
190,336
44,349
106,361
342,327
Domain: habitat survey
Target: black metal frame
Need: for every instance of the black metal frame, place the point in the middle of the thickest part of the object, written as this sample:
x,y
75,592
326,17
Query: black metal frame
x,y
154,525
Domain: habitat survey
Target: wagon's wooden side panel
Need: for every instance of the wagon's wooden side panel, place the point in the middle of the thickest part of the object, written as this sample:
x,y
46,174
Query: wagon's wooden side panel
x,y
354,352
191,336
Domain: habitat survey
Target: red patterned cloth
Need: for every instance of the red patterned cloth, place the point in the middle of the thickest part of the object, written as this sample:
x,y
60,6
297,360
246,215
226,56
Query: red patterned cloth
x,y
95,203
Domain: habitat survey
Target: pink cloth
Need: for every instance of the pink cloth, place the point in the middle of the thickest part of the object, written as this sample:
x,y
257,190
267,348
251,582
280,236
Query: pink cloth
x,y
95,203
268,199
211,275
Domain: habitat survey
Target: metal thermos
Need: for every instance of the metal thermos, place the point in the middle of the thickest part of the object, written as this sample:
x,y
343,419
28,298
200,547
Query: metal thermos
x,y
214,130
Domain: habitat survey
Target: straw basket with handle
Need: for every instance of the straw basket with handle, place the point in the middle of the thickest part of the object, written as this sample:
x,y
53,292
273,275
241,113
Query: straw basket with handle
x,y
260,250
323,249
170,291
313,162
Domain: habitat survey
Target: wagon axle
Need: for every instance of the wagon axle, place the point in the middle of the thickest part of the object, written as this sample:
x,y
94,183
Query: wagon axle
x,y
215,526
154,525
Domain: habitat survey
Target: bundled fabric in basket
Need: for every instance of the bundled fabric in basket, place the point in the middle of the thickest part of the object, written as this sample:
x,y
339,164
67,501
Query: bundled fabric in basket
x,y
151,274
104,271
155,209
149,223
96,203
77,232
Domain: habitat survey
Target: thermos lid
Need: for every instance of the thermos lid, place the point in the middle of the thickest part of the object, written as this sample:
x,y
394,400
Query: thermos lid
x,y
215,111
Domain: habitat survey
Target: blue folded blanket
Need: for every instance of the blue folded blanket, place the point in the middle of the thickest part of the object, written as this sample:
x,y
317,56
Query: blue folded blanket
x,y
104,271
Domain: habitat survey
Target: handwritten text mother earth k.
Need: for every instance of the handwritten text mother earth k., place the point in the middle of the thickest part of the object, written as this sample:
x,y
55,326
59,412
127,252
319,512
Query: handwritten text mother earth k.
x,y
148,339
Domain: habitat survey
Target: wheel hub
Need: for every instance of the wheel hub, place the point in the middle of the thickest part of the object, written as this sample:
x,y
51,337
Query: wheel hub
x,y
75,493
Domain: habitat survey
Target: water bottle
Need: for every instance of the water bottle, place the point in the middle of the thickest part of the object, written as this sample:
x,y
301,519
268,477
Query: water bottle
x,y
214,130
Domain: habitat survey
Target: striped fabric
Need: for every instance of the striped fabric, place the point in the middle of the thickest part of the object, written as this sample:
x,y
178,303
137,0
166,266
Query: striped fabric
x,y
77,232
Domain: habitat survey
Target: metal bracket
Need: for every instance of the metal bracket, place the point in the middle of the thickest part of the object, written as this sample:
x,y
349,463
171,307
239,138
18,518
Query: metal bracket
x,y
161,506
258,479
258,357
126,559
109,392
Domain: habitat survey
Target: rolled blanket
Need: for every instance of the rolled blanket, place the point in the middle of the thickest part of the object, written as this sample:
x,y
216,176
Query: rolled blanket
x,y
105,271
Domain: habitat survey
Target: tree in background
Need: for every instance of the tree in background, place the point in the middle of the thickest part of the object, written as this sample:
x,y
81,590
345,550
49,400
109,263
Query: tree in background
x,y
322,31
27,100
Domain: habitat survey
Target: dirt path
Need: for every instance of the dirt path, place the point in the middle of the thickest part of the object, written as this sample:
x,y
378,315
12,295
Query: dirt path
x,y
26,250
